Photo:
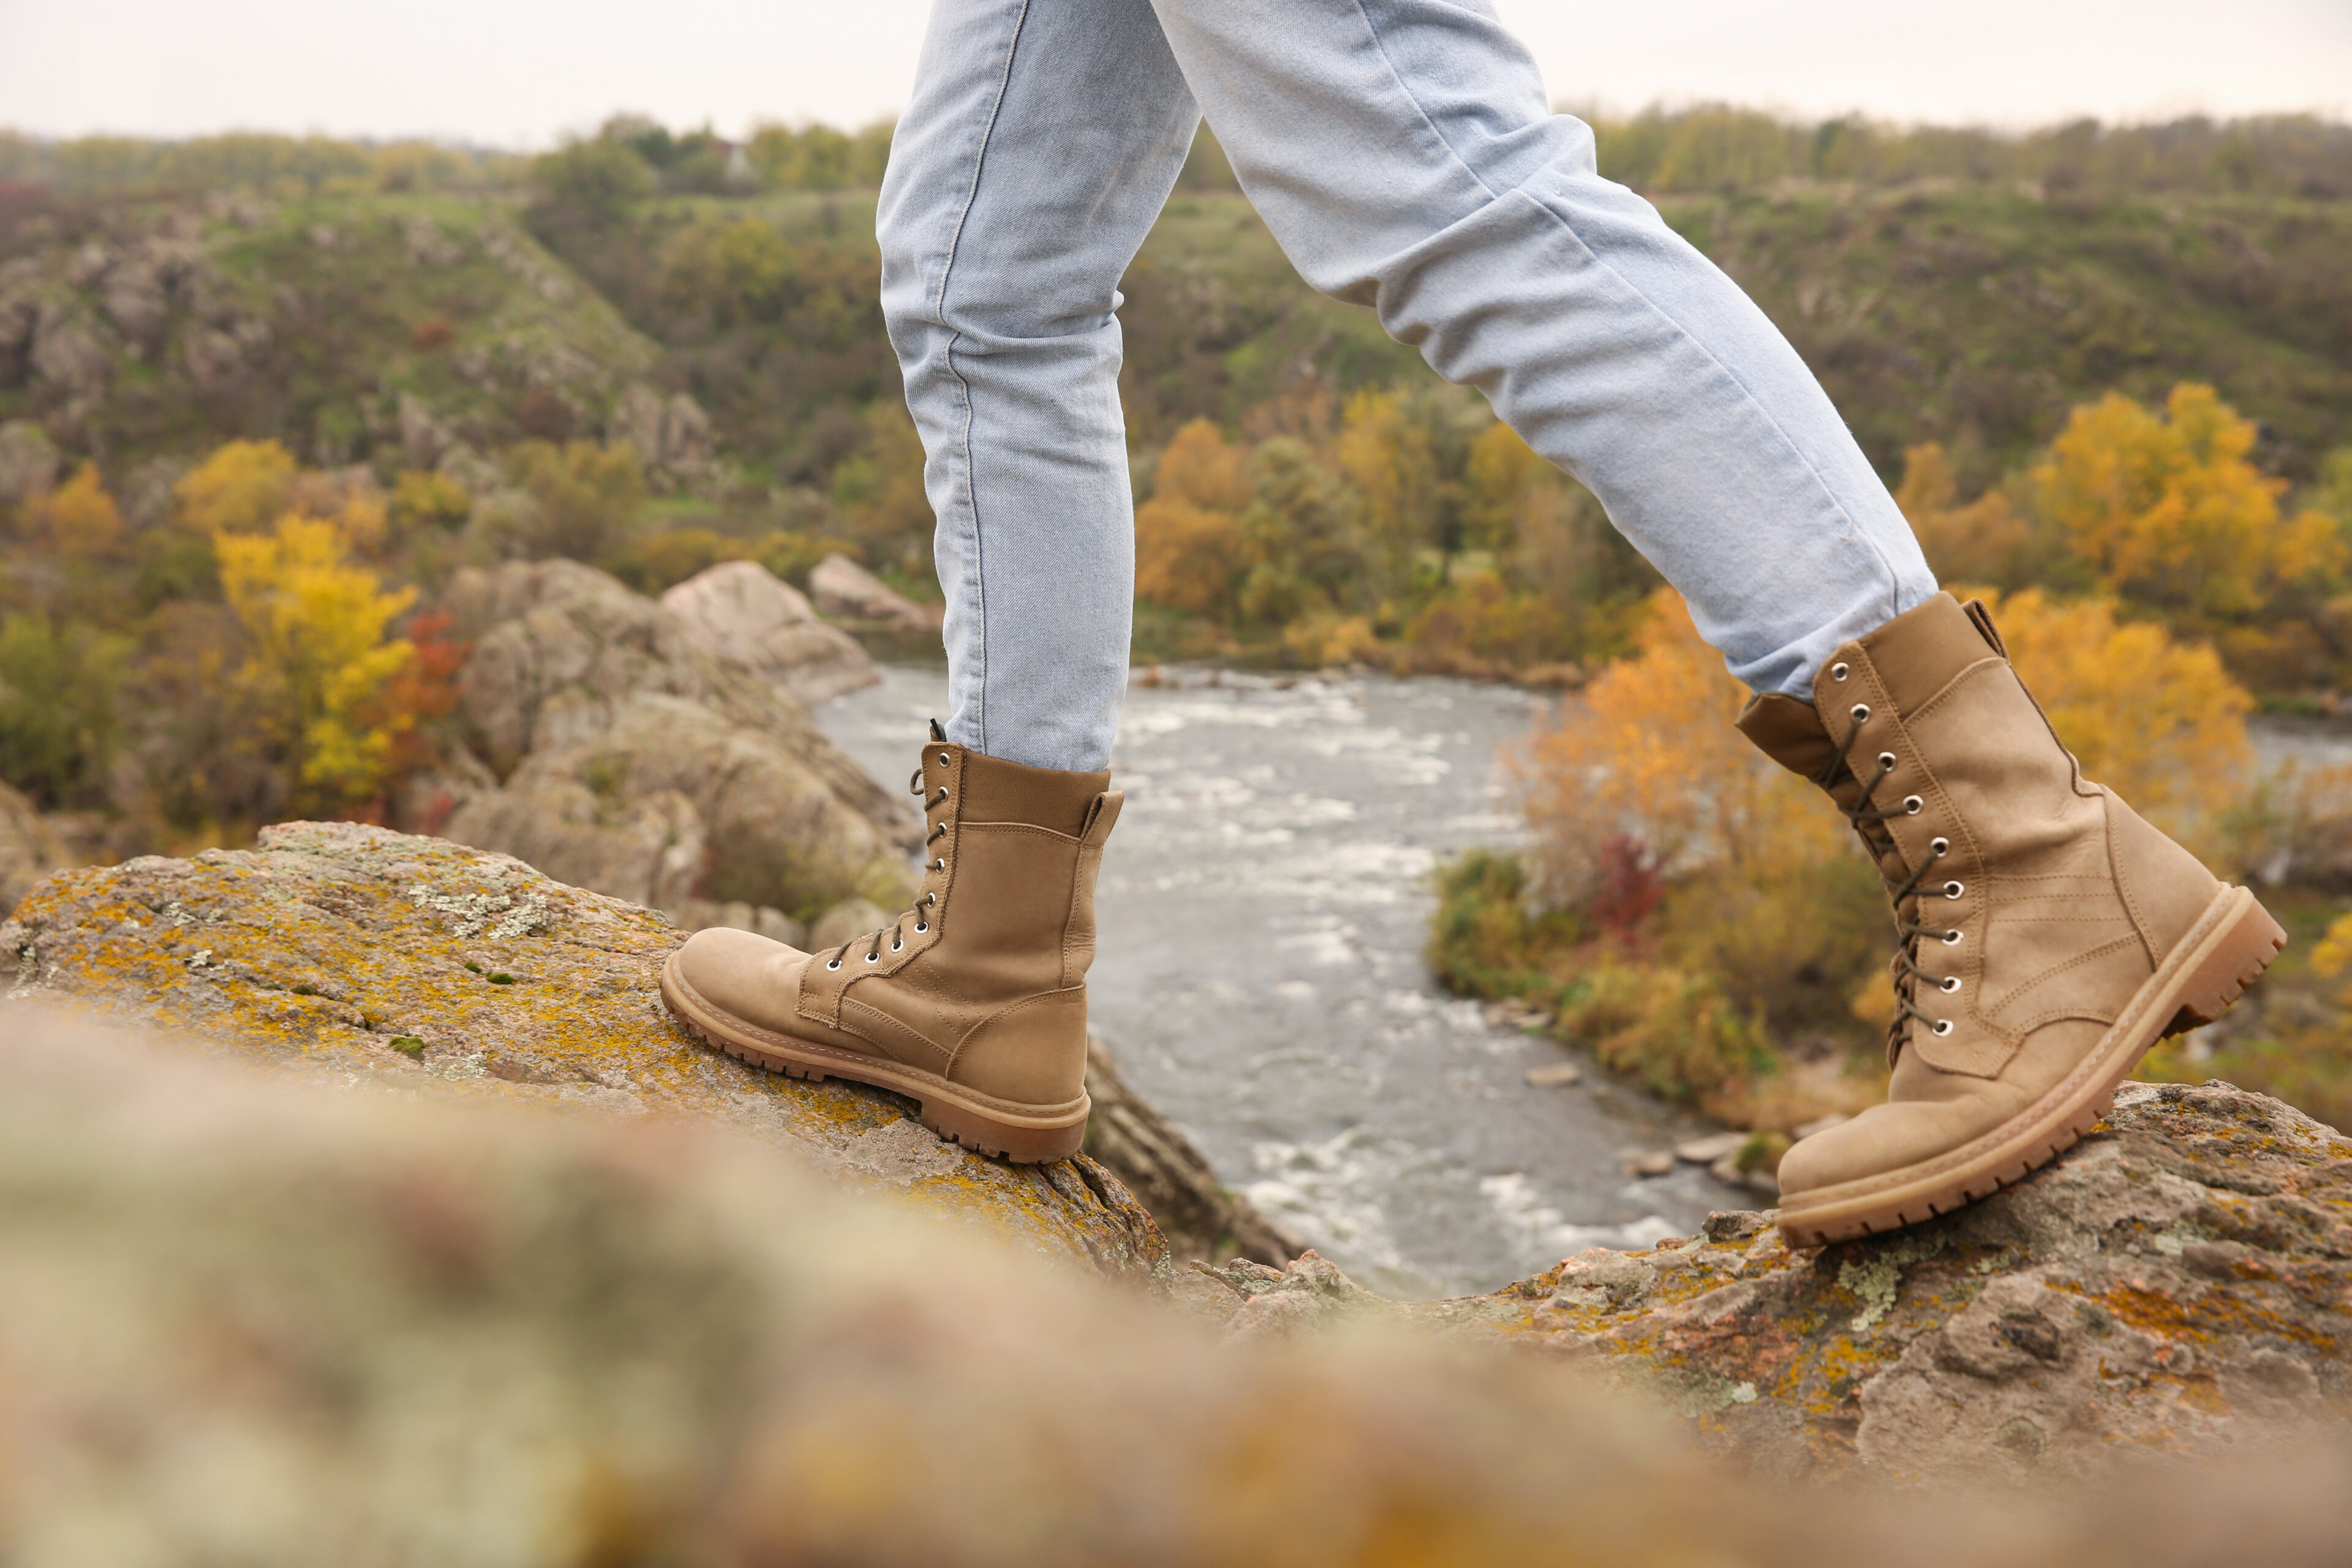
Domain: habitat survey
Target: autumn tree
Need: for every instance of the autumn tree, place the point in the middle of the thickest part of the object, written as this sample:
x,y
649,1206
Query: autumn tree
x,y
2167,510
1987,540
78,520
1188,548
242,487
319,656
1647,750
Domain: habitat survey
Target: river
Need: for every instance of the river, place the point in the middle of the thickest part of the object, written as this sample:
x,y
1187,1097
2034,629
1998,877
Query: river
x,y
1263,906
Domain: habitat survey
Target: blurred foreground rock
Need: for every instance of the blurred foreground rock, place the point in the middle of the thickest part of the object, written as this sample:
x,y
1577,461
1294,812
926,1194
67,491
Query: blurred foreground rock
x,y
414,963
2175,1282
272,1322
637,763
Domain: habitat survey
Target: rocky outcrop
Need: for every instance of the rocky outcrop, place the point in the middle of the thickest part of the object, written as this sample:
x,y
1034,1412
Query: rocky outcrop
x,y
671,436
848,592
282,1323
401,962
638,765
30,847
741,614
2177,1282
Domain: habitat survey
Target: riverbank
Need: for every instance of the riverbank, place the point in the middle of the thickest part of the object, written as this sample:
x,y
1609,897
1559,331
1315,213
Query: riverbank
x,y
1260,980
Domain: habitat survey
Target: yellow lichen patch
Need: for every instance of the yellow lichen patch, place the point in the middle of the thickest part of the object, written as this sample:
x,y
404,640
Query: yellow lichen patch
x,y
415,963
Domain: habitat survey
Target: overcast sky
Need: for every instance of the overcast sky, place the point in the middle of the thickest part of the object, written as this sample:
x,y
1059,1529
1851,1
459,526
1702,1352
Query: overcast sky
x,y
520,73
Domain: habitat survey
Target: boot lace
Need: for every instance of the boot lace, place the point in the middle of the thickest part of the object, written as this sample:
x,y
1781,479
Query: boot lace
x,y
895,930
1869,823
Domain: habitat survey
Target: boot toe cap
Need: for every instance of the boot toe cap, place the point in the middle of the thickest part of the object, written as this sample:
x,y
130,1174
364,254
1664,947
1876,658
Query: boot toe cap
x,y
744,973
1885,1139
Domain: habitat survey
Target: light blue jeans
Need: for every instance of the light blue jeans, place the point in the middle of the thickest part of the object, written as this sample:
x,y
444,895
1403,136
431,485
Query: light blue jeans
x,y
1401,152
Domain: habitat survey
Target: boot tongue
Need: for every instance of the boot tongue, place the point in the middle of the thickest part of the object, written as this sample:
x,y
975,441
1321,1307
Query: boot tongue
x,y
1788,731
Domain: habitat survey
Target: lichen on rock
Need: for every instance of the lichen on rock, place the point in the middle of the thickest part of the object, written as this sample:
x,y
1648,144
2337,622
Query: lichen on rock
x,y
414,964
2177,1282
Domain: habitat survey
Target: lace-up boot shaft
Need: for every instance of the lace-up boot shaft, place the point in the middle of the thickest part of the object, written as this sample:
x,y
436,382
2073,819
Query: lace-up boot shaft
x,y
2047,935
973,1000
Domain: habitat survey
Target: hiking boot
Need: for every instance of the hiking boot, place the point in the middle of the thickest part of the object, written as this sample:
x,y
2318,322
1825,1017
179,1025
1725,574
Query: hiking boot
x,y
2049,935
975,1001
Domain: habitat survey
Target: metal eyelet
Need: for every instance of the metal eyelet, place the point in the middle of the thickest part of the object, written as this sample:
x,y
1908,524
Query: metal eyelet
x,y
1913,805
940,865
873,958
1954,890
1837,672
1887,761
1952,939
899,945
1949,983
921,926
1940,847
833,963
946,761
1943,1026
930,898
1860,712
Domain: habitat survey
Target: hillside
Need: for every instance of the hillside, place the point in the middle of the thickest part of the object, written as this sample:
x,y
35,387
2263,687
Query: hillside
x,y
383,327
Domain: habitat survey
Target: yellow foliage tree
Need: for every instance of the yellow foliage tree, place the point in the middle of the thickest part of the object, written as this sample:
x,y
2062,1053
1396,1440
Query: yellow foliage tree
x,y
2157,721
1985,541
79,519
2167,509
1390,462
320,657
241,488
1648,750
1187,547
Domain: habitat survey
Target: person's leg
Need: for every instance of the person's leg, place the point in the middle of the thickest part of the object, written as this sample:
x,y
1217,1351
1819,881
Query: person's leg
x,y
1403,153
1043,136
1043,139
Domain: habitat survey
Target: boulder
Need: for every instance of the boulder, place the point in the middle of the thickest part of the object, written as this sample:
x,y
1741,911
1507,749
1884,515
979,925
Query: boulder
x,y
741,613
374,958
29,848
2180,1280
590,702
280,1324
848,592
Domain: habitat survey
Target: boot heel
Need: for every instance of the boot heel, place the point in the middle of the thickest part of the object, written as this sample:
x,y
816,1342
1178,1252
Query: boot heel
x,y
2235,960
1005,1140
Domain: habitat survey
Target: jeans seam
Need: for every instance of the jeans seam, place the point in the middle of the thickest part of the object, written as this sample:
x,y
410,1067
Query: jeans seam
x,y
1372,31
940,314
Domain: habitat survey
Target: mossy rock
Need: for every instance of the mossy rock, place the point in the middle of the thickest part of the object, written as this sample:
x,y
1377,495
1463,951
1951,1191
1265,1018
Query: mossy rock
x,y
414,963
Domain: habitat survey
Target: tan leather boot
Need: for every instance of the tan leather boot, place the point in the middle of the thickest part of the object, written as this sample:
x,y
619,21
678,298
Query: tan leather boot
x,y
975,1001
2049,935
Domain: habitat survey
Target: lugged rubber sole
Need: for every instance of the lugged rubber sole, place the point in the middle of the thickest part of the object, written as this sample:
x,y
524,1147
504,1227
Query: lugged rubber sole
x,y
1024,1134
2228,949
